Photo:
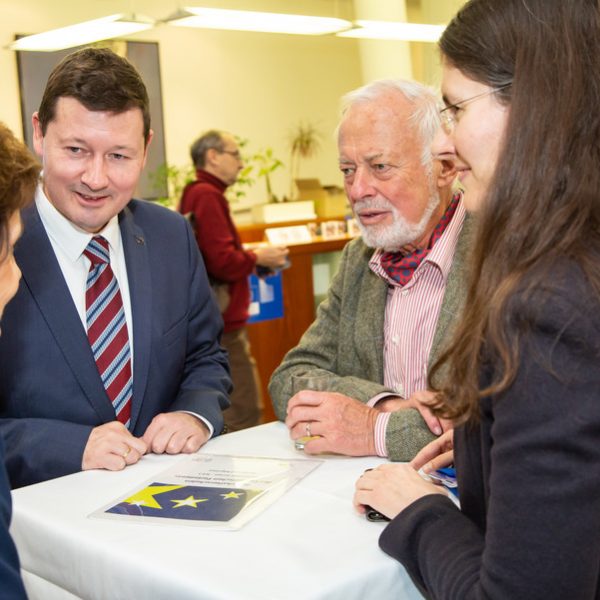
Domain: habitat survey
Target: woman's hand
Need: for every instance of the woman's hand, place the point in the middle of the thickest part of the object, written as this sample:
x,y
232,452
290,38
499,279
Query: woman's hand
x,y
390,488
437,454
421,401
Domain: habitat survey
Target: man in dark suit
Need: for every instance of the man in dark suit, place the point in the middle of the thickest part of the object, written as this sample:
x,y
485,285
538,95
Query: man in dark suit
x,y
112,342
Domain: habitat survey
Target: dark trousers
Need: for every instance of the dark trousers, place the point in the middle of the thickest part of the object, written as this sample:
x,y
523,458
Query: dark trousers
x,y
246,398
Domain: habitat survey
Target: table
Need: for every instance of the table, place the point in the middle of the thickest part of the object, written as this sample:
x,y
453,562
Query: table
x,y
309,545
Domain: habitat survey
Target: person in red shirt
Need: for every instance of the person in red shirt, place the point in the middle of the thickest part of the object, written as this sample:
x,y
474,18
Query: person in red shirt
x,y
217,159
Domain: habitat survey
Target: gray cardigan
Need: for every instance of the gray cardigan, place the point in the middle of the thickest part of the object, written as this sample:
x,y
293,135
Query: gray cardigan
x,y
347,340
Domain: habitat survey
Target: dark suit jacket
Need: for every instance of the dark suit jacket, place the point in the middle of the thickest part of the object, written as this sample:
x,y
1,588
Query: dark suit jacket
x,y
51,395
529,472
11,585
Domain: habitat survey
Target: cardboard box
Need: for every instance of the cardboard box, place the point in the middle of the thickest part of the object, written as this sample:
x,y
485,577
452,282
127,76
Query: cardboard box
x,y
310,189
332,206
330,201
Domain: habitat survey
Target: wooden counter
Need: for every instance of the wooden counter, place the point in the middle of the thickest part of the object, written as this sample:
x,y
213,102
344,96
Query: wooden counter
x,y
255,232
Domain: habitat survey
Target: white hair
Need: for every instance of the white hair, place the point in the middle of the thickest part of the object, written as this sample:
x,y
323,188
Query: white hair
x,y
426,107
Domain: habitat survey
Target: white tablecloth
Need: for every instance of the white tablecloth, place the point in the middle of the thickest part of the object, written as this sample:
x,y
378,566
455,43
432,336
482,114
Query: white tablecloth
x,y
310,544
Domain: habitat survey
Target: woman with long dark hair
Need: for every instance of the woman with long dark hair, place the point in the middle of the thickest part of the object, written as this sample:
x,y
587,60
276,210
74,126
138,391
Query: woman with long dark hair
x,y
521,84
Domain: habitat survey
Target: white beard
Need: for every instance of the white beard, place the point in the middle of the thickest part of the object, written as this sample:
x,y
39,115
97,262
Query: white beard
x,y
400,232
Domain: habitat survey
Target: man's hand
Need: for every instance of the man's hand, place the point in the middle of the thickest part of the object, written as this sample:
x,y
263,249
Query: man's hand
x,y
175,433
111,446
437,454
345,426
272,257
421,401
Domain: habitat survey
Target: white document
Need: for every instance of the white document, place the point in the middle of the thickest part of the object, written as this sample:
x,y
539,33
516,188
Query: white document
x,y
294,234
209,490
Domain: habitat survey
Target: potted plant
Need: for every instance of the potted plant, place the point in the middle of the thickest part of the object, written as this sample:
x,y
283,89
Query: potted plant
x,y
305,142
173,179
266,163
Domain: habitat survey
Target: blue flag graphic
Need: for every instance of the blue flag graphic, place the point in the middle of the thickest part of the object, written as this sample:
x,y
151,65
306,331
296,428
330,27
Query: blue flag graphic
x,y
196,503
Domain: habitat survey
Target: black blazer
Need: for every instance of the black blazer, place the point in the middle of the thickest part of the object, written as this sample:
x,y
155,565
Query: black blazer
x,y
529,472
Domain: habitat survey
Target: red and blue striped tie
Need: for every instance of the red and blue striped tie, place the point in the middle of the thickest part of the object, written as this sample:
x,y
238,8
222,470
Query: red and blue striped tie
x,y
107,329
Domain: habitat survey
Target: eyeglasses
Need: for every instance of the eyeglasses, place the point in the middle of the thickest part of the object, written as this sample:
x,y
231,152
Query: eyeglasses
x,y
234,153
448,114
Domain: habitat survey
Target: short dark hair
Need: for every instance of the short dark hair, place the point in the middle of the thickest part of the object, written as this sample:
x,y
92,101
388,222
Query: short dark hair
x,y
100,80
19,174
209,139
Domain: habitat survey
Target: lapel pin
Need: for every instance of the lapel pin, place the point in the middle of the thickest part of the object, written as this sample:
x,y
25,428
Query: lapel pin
x,y
139,240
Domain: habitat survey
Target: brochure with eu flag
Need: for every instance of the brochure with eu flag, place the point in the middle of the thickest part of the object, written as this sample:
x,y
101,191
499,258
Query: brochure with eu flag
x,y
209,490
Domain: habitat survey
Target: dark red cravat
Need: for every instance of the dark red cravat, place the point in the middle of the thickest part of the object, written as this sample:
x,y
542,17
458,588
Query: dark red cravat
x,y
400,267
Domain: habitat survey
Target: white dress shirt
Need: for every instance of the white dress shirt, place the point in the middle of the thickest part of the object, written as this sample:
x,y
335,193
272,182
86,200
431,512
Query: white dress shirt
x,y
411,317
69,241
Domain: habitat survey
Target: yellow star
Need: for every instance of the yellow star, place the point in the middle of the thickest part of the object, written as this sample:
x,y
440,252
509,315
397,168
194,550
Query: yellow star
x,y
232,495
145,497
189,501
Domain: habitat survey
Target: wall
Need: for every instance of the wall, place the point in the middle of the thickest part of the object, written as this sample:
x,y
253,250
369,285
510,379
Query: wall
x,y
432,11
383,58
258,86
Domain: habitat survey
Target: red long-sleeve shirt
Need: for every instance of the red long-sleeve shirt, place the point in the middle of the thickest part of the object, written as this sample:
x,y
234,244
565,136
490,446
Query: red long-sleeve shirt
x,y
220,244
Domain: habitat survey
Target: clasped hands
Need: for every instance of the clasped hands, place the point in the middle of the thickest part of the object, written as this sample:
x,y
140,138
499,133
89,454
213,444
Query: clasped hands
x,y
112,446
342,424
345,425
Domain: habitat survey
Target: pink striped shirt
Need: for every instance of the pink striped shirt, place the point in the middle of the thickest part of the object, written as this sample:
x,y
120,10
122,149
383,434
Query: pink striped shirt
x,y
411,317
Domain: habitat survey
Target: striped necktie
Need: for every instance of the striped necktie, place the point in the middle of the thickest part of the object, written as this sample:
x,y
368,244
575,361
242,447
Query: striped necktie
x,y
107,329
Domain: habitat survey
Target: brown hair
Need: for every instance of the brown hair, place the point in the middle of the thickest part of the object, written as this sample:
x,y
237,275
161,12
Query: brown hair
x,y
19,173
544,202
100,80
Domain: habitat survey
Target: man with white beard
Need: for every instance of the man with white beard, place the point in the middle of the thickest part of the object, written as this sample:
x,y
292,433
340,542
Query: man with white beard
x,y
399,289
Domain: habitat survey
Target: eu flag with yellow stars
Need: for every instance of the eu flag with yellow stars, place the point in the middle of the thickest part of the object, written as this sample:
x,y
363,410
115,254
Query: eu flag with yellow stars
x,y
196,503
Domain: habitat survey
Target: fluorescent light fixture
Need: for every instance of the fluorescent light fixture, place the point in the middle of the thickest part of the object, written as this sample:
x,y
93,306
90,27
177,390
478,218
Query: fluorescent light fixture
x,y
245,20
390,30
83,33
